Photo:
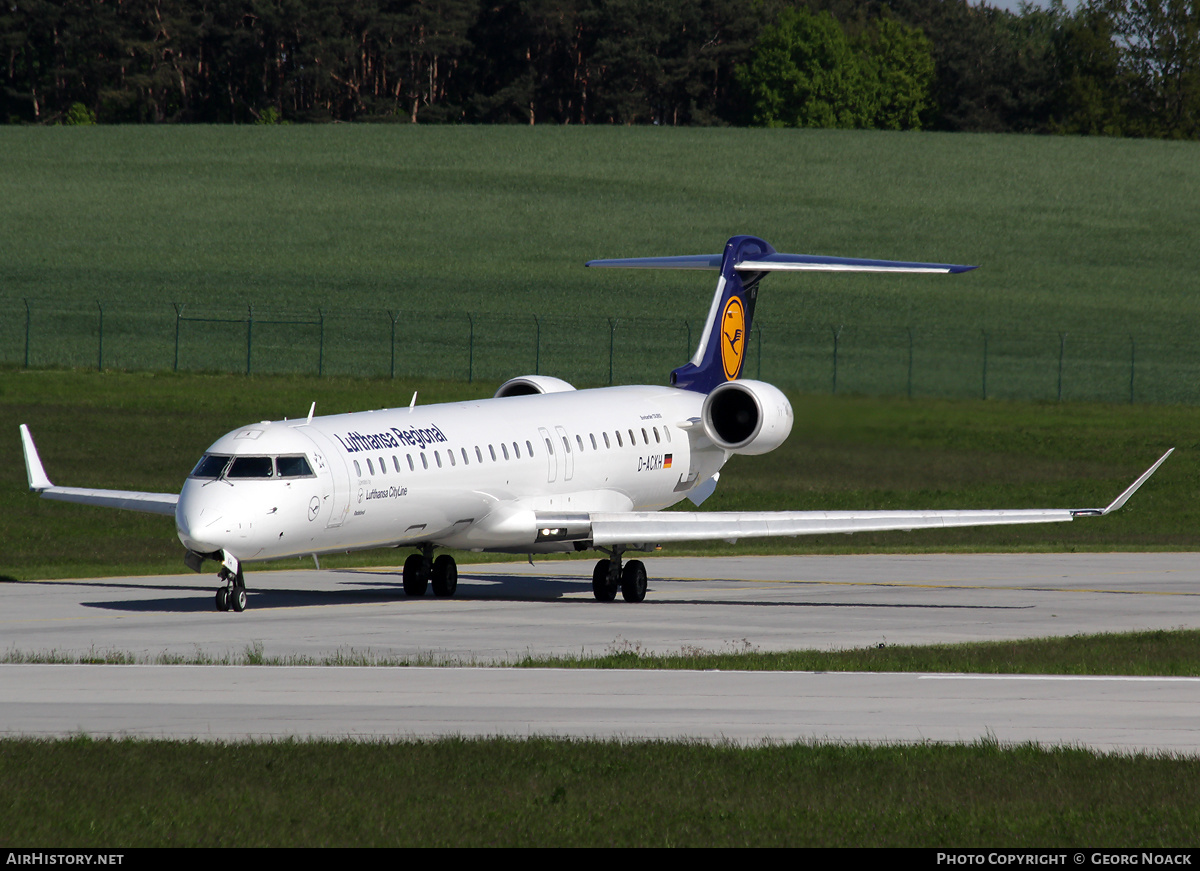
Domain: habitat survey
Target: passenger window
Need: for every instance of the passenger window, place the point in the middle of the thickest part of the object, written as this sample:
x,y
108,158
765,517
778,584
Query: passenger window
x,y
466,459
411,467
492,451
620,444
382,466
437,456
549,447
667,433
424,461
504,450
517,450
592,436
357,469
478,454
632,438
370,468
657,440
529,447
450,456
607,444
579,442
566,444
396,463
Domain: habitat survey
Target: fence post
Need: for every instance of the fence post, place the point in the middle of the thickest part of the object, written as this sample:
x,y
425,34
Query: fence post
x,y
249,331
27,318
178,317
100,345
1062,345
1132,357
985,344
537,349
612,331
321,346
910,360
471,351
392,345
836,334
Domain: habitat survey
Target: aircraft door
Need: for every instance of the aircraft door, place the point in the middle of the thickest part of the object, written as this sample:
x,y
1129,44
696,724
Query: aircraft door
x,y
568,456
551,455
333,476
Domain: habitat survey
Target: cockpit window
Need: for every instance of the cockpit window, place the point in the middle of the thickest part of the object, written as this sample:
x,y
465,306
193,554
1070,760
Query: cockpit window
x,y
293,467
250,467
210,466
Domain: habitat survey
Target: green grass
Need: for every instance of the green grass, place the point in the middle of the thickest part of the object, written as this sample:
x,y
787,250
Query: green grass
x,y
145,431
1149,653
540,792
1088,237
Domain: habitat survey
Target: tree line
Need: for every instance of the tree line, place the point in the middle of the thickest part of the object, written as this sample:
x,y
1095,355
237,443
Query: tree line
x,y
1111,67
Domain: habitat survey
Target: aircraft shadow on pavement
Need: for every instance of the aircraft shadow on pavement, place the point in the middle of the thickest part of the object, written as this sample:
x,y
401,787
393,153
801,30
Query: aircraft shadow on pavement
x,y
358,587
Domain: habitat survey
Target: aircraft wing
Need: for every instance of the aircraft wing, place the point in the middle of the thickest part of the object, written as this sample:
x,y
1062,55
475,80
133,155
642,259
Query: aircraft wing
x,y
654,527
149,503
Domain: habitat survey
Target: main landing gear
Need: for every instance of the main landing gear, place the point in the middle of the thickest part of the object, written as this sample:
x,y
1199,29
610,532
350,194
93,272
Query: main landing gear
x,y
421,569
233,594
608,576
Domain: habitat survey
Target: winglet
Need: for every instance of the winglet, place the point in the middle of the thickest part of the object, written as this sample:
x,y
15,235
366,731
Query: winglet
x,y
1124,497
33,463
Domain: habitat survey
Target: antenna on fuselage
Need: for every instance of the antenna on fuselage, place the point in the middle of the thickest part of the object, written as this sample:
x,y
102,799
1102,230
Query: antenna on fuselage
x,y
311,409
413,403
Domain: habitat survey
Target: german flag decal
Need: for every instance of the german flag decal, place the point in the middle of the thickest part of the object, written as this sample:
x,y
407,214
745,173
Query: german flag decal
x,y
667,461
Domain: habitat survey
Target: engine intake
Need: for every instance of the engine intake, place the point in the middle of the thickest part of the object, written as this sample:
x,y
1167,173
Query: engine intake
x,y
530,385
747,417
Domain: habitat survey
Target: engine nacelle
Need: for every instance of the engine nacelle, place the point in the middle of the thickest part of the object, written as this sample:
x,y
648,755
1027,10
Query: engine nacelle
x,y
529,385
747,417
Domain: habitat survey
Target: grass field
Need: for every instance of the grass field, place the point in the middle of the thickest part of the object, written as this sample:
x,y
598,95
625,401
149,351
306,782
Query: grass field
x,y
1091,238
540,792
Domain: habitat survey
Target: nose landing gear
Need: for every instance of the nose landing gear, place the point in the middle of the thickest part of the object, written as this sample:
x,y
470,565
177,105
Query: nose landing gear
x,y
231,596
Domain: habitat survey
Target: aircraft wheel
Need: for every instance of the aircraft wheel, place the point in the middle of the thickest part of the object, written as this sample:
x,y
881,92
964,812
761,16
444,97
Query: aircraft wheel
x,y
602,588
237,599
633,581
445,575
223,599
415,577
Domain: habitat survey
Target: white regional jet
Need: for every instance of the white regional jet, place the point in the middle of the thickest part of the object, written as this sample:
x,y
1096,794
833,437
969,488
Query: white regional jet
x,y
538,468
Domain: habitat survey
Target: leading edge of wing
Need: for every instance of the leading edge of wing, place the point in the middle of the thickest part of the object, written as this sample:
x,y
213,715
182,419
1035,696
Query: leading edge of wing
x,y
676,526
132,500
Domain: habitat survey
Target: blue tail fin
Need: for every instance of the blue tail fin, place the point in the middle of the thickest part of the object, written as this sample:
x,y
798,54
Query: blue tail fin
x,y
745,261
722,350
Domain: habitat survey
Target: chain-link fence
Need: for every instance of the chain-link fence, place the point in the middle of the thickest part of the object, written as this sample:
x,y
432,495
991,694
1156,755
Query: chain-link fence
x,y
620,349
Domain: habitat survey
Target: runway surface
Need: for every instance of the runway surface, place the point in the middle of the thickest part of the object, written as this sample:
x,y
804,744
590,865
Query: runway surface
x,y
505,611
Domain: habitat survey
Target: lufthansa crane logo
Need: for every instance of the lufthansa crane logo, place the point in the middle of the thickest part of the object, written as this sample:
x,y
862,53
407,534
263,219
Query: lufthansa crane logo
x,y
733,337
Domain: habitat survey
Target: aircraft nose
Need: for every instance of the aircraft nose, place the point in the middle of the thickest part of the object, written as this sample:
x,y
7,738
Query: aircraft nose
x,y
198,516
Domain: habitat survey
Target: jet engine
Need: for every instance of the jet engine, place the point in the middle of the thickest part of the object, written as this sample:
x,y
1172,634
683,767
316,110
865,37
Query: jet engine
x,y
747,417
529,385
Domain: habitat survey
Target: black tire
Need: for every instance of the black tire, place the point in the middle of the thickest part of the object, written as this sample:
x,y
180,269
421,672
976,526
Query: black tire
x,y
237,599
633,581
415,577
602,588
445,576
223,599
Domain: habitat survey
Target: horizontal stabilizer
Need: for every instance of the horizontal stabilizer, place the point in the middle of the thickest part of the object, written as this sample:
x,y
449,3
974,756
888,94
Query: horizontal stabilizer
x,y
782,263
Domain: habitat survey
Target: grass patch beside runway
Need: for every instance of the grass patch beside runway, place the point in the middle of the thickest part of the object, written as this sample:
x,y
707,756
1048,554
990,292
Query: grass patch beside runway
x,y
1156,653
142,431
500,792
